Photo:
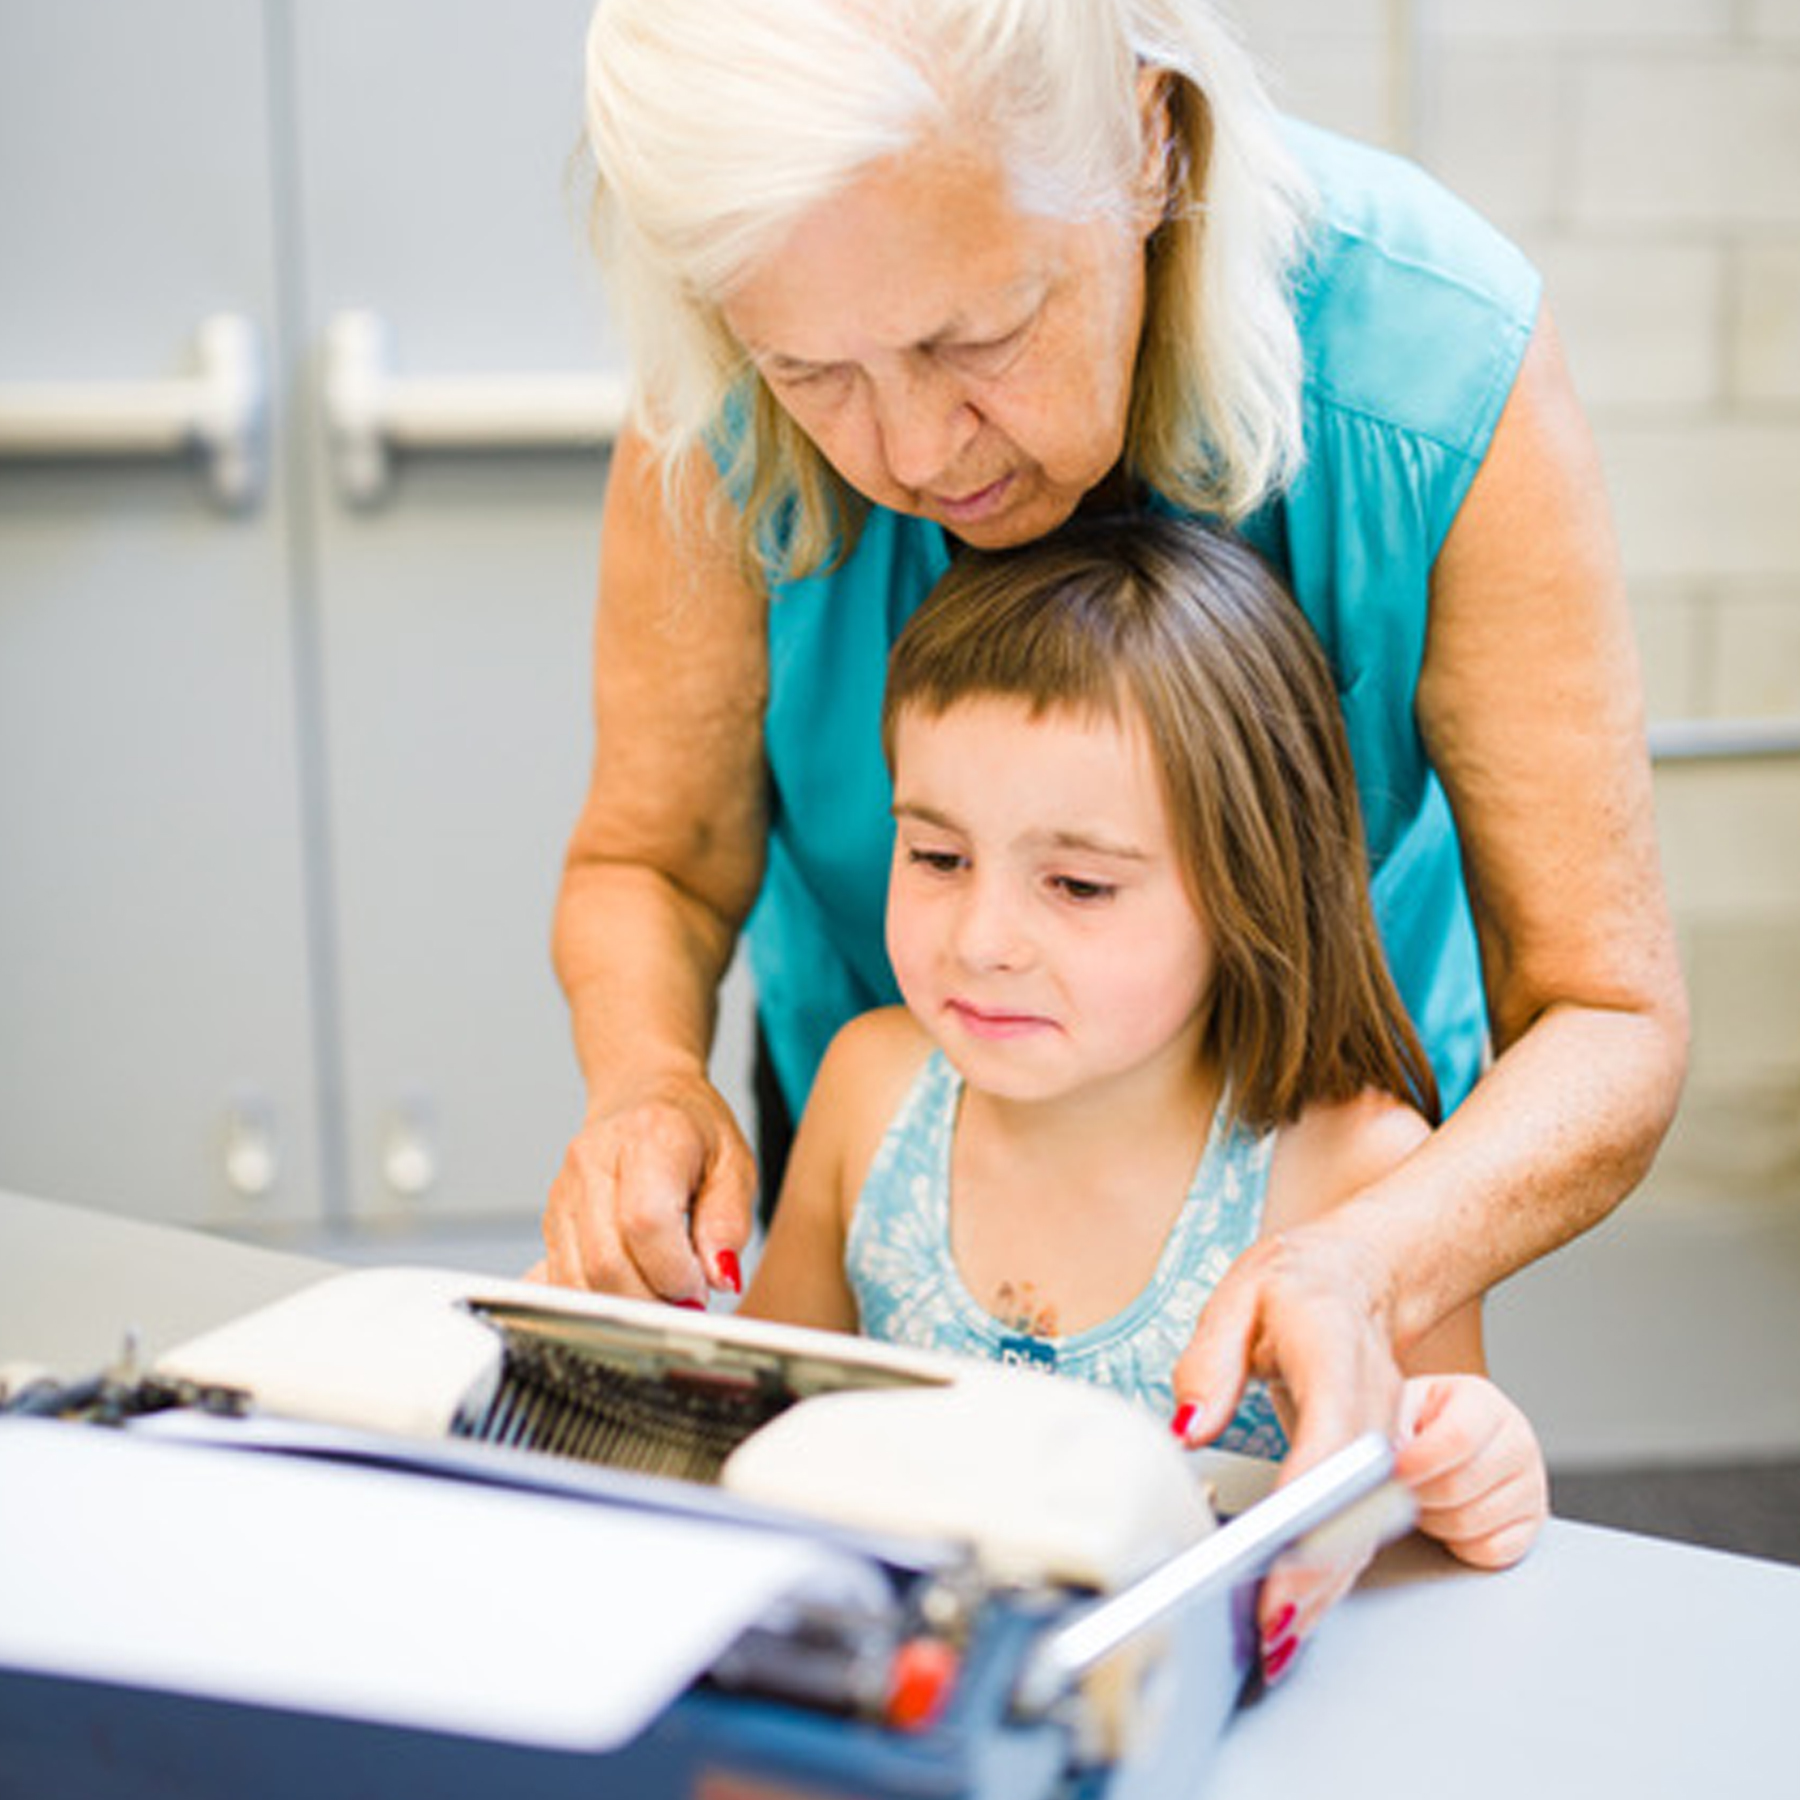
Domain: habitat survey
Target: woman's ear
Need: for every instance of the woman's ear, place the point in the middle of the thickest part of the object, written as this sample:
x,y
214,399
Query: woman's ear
x,y
1161,163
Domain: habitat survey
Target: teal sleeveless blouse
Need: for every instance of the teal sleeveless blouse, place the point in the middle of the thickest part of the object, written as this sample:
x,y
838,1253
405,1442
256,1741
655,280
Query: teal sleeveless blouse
x,y
1414,317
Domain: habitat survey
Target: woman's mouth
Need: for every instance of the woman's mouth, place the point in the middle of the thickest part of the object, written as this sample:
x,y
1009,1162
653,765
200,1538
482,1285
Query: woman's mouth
x,y
974,506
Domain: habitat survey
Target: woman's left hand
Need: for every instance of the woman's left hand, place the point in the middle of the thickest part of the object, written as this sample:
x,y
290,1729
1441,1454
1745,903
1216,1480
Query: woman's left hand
x,y
1304,1311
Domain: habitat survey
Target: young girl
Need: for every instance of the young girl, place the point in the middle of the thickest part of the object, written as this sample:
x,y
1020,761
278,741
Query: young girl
x,y
1147,1017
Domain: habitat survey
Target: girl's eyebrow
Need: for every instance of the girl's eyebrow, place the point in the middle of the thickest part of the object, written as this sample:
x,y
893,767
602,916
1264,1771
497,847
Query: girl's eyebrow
x,y
1088,843
926,815
1095,845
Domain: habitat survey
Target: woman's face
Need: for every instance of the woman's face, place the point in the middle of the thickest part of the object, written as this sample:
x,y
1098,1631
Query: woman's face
x,y
950,355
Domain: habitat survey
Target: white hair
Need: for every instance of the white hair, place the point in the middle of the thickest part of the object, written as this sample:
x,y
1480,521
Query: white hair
x,y
715,125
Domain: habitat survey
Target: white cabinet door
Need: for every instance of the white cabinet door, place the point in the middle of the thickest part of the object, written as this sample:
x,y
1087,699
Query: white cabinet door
x,y
284,789
157,1052
455,605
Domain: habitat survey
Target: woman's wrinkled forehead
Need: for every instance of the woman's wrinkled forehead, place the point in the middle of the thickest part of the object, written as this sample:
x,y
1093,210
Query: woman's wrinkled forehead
x,y
925,249
1020,257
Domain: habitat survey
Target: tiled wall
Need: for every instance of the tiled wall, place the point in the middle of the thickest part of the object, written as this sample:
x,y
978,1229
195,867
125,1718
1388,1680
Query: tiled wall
x,y
1647,154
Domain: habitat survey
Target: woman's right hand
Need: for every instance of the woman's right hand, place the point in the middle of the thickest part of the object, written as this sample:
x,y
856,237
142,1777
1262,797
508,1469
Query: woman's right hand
x,y
654,1198
655,1193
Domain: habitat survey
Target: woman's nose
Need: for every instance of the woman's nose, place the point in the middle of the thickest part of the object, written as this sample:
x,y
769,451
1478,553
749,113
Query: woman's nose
x,y
925,424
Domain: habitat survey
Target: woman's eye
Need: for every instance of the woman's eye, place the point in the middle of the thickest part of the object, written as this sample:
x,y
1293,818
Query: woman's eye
x,y
988,356
804,376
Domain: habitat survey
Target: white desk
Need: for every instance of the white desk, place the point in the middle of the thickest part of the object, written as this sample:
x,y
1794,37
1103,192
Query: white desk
x,y
1605,1665
74,1282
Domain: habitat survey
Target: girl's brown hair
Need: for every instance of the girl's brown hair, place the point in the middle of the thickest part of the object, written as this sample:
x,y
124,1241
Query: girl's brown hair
x,y
1191,629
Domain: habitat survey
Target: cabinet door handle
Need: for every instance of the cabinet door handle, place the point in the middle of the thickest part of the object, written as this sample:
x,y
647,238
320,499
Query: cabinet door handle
x,y
370,411
219,411
252,1155
409,1149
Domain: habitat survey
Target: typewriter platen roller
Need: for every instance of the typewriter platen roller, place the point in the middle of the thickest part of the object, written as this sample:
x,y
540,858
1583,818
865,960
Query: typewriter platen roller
x,y
1054,1611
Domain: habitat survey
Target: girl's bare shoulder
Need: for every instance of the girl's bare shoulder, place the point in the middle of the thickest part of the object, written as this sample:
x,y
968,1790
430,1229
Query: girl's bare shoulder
x,y
879,1045
865,1075
1336,1147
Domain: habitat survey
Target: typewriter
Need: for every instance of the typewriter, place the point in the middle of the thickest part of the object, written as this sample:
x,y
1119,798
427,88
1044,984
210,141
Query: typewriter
x,y
414,1531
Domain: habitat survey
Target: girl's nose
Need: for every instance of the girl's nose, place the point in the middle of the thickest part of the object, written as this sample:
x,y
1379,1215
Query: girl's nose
x,y
989,932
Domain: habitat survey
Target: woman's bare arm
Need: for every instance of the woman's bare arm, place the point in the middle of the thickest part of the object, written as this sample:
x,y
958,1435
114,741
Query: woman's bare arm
x,y
662,867
1532,712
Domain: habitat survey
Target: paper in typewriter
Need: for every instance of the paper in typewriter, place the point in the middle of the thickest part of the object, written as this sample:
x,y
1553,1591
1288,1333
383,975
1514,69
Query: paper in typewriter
x,y
369,1594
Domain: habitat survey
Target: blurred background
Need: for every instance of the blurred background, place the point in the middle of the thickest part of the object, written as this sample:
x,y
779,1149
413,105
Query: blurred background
x,y
305,377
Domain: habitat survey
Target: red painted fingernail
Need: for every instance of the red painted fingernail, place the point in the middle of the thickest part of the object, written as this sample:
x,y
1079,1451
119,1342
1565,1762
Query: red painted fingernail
x,y
1277,1657
1280,1625
690,1305
919,1683
731,1277
1183,1422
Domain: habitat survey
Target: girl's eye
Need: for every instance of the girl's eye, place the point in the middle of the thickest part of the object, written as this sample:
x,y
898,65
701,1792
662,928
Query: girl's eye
x,y
1073,887
938,862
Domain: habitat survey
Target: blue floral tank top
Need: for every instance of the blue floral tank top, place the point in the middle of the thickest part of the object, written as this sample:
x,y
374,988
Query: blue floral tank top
x,y
908,1289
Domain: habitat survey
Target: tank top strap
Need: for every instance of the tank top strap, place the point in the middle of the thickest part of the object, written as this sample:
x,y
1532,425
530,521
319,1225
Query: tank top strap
x,y
1224,1206
897,1253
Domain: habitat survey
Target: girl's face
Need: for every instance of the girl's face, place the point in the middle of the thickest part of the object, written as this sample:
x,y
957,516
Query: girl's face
x,y
948,354
1038,921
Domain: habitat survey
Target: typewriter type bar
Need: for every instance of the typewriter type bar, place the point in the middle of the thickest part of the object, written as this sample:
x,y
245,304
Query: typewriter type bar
x,y
610,1392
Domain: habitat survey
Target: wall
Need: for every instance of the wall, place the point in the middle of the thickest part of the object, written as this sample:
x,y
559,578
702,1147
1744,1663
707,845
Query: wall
x,y
1647,154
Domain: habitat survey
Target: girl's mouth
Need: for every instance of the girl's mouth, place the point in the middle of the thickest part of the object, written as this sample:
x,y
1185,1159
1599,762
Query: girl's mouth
x,y
993,1024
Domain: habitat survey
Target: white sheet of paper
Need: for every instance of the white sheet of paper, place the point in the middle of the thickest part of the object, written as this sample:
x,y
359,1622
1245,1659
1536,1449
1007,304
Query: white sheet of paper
x,y
369,1594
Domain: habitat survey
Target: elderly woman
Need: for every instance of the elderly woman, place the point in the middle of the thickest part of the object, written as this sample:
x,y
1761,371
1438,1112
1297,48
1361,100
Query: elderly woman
x,y
905,275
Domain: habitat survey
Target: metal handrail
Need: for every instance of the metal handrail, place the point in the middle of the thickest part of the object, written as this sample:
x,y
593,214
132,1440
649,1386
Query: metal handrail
x,y
1724,740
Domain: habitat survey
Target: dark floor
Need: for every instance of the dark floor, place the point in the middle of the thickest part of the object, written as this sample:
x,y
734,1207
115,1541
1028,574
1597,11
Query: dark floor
x,y
1751,1508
